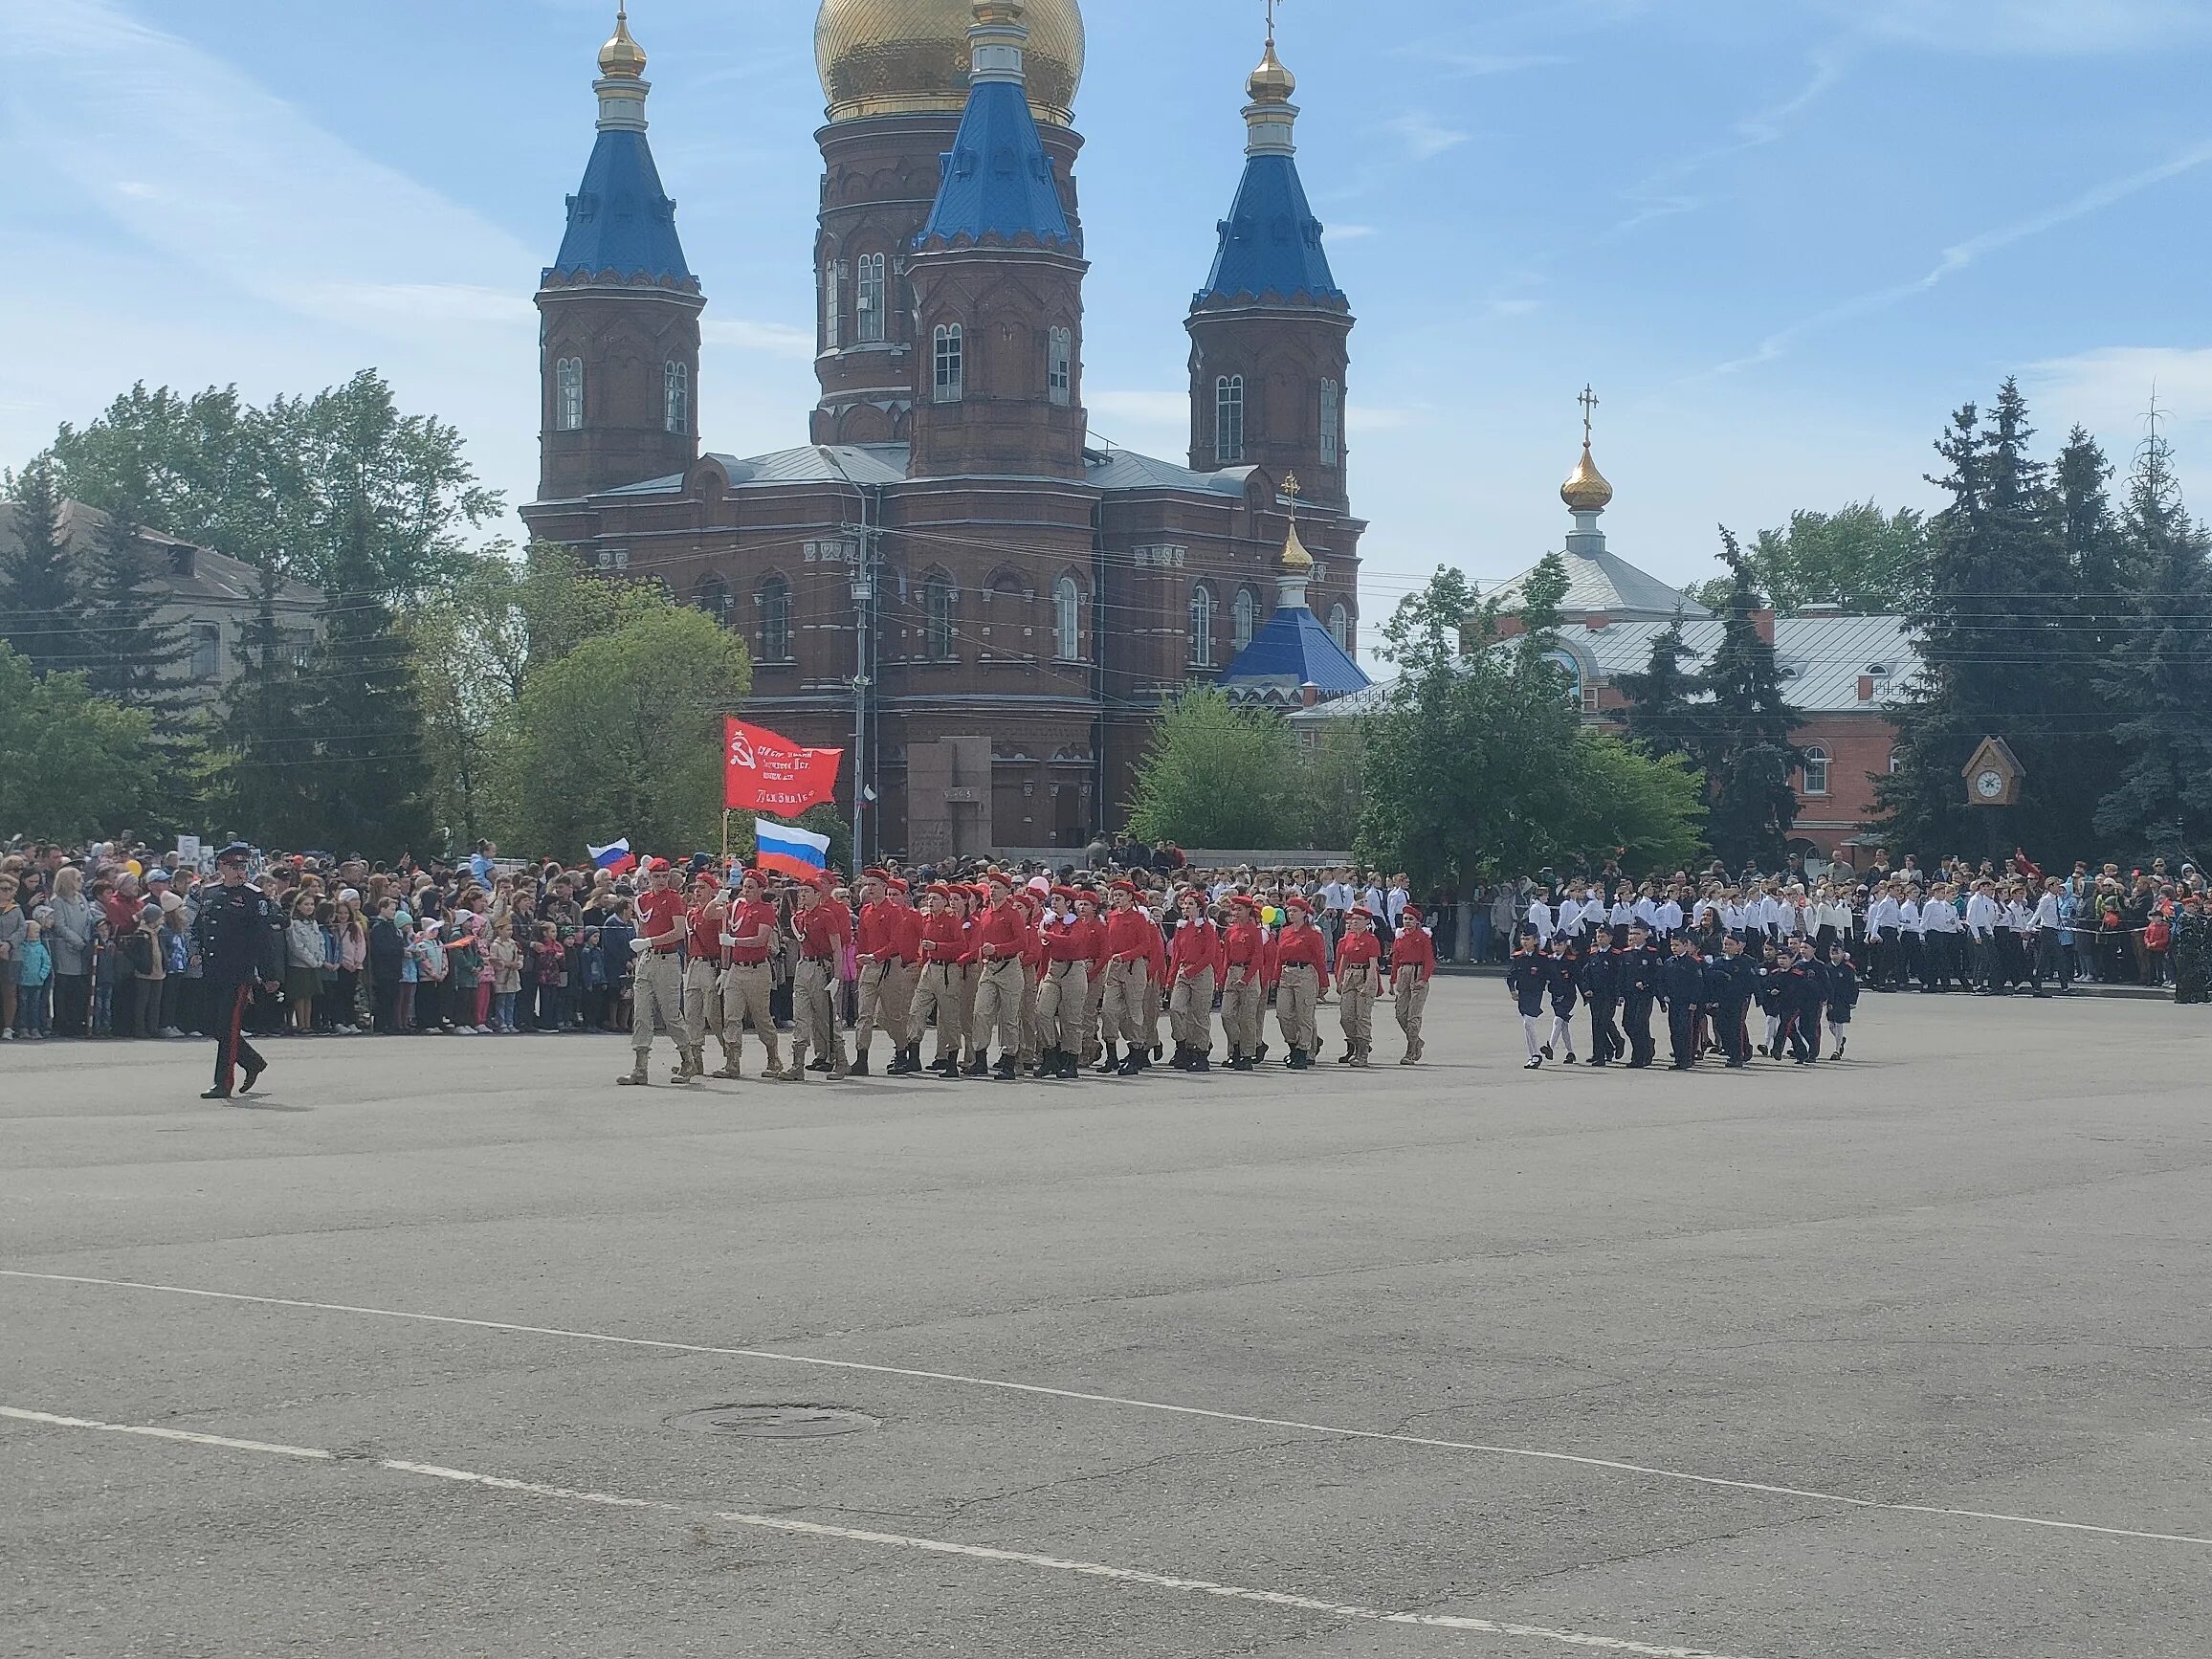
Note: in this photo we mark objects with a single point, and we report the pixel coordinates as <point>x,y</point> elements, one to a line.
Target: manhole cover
<point>776,1422</point>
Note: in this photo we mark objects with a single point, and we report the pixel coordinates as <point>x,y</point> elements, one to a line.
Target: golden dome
<point>622,59</point>
<point>1295,559</point>
<point>1585,490</point>
<point>1270,82</point>
<point>912,56</point>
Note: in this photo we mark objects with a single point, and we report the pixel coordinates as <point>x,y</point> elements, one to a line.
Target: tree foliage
<point>133,655</point>
<point>622,735</point>
<point>41,607</point>
<point>290,485</point>
<point>1740,734</point>
<point>70,765</point>
<point>2027,586</point>
<point>1215,775</point>
<point>1480,764</point>
<point>1868,561</point>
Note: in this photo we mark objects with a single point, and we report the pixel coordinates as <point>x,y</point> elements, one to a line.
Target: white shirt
<point>2017,918</point>
<point>1646,910</point>
<point>1624,913</point>
<point>1883,913</point>
<point>1981,915</point>
<point>1540,917</point>
<point>1397,899</point>
<point>1909,916</point>
<point>2047,912</point>
<point>1670,918</point>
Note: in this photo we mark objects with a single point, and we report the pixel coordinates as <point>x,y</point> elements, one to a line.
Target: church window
<point>568,399</point>
<point>937,607</point>
<point>1202,609</point>
<point>711,595</point>
<point>950,369</point>
<point>775,620</point>
<point>1332,420</point>
<point>679,397</point>
<point>207,651</point>
<point>1340,628</point>
<point>1816,771</point>
<point>1060,368</point>
<point>1244,615</point>
<point>1229,419</point>
<point>832,305</point>
<point>872,298</point>
<point>1067,620</point>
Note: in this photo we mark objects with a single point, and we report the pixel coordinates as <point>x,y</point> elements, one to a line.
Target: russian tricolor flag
<point>617,858</point>
<point>790,850</point>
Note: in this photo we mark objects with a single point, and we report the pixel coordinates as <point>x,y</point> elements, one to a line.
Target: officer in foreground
<point>240,929</point>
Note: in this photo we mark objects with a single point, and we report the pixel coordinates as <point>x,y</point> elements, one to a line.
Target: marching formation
<point>1009,978</point>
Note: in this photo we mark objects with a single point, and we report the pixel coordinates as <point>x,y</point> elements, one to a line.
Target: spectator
<point>69,938</point>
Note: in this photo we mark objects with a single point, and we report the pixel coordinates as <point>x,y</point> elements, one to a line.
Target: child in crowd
<point>506,975</point>
<point>465,966</point>
<point>34,984</point>
<point>552,958</point>
<point>108,971</point>
<point>431,970</point>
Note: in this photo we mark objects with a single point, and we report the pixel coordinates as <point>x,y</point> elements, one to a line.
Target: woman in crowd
<point>304,954</point>
<point>69,939</point>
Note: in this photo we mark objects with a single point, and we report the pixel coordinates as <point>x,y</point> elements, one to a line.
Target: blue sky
<point>1782,239</point>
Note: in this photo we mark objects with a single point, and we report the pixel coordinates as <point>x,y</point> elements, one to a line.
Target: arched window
<point>1340,628</point>
<point>711,595</point>
<point>872,298</point>
<point>1816,771</point>
<point>951,373</point>
<point>1228,420</point>
<point>1202,610</point>
<point>1067,620</point>
<point>775,620</point>
<point>678,384</point>
<point>1060,365</point>
<point>1332,420</point>
<point>1244,617</point>
<point>936,609</point>
<point>568,396</point>
<point>832,304</point>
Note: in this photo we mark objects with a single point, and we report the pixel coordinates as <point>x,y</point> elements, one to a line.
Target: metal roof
<point>620,220</point>
<point>1113,471</point>
<point>1821,658</point>
<point>1604,584</point>
<point>206,577</point>
<point>997,183</point>
<point>1270,243</point>
<point>1293,651</point>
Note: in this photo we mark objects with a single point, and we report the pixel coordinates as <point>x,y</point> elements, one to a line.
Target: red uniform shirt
<point>1413,948</point>
<point>706,937</point>
<point>1302,945</point>
<point>1358,950</point>
<point>1080,940</point>
<point>660,912</point>
<point>743,921</point>
<point>1002,933</point>
<point>823,930</point>
<point>882,935</point>
<point>1244,946</point>
<point>1197,950</point>
<point>910,921</point>
<point>937,940</point>
<point>1130,935</point>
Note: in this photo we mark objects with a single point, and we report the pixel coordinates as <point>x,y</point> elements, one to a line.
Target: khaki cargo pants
<point>1411,996</point>
<point>1123,1013</point>
<point>744,996</point>
<point>656,999</point>
<point>938,995</point>
<point>1355,990</point>
<point>814,1015</point>
<point>1190,1010</point>
<point>998,1009</point>
<point>701,1008</point>
<point>1295,998</point>
<point>886,996</point>
<point>1242,1010</point>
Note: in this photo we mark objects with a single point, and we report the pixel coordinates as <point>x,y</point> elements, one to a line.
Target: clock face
<point>1989,786</point>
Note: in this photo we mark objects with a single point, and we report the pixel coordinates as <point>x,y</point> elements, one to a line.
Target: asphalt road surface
<point>1897,1358</point>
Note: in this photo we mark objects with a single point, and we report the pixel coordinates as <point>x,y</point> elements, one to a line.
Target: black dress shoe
<point>216,1094</point>
<point>252,1077</point>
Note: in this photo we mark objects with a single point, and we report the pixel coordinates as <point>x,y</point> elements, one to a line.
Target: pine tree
<point>2160,671</point>
<point>1743,733</point>
<point>134,656</point>
<point>267,747</point>
<point>1659,719</point>
<point>41,610</point>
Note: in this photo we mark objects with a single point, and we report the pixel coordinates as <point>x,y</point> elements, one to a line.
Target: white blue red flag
<point>790,850</point>
<point>617,858</point>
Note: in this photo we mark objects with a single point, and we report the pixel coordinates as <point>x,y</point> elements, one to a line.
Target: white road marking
<point>900,1541</point>
<point>1002,1386</point>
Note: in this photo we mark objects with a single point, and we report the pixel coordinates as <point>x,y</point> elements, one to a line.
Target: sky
<point>1782,239</point>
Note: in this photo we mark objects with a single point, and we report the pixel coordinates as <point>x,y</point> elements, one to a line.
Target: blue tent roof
<point>621,220</point>
<point>1270,243</point>
<point>997,180</point>
<point>1295,650</point>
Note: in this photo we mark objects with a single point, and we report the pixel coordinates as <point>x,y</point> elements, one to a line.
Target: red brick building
<point>950,581</point>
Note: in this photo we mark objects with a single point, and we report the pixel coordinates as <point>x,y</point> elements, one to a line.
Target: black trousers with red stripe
<point>227,1005</point>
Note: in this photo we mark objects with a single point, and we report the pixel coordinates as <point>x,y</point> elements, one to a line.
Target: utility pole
<point>863,633</point>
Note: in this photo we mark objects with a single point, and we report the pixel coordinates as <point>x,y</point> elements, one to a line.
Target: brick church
<point>949,580</point>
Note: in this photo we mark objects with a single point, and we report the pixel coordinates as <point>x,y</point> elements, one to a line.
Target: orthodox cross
<point>1589,402</point>
<point>1290,487</point>
<point>1271,3</point>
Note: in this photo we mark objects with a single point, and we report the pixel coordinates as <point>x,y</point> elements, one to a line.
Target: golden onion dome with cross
<point>913,57</point>
<point>1585,490</point>
<point>622,59</point>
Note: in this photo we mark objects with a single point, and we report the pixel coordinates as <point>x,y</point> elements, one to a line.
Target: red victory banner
<point>763,772</point>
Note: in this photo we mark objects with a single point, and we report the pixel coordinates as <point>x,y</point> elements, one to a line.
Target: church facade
<point>949,580</point>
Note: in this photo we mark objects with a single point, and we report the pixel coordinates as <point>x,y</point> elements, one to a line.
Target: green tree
<point>41,607</point>
<point>2160,674</point>
<point>622,736</point>
<point>1741,733</point>
<point>1658,718</point>
<point>2001,646</point>
<point>1332,784</point>
<point>70,765</point>
<point>280,485</point>
<point>1867,561</point>
<point>1649,813</point>
<point>134,656</point>
<point>1215,775</point>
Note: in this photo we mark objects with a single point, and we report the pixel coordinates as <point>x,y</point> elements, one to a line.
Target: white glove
<point>638,947</point>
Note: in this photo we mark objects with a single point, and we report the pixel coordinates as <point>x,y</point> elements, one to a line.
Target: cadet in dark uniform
<point>1528,976</point>
<point>1600,972</point>
<point>1806,993</point>
<point>1736,980</point>
<point>1682,988</point>
<point>1638,982</point>
<point>239,930</point>
<point>1842,998</point>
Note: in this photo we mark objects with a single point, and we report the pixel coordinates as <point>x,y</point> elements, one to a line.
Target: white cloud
<point>1424,137</point>
<point>1350,233</point>
<point>2044,28</point>
<point>773,339</point>
<point>2110,388</point>
<point>1482,63</point>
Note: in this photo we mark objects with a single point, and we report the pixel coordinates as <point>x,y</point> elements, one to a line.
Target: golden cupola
<point>622,59</point>
<point>1585,490</point>
<point>914,56</point>
<point>1270,82</point>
